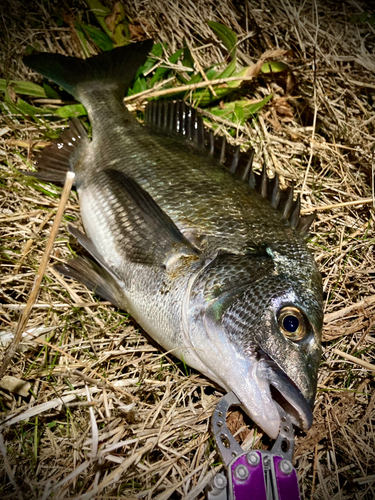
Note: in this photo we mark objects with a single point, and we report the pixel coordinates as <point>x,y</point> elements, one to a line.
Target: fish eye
<point>292,323</point>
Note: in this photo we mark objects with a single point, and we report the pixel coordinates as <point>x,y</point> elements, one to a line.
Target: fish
<point>208,256</point>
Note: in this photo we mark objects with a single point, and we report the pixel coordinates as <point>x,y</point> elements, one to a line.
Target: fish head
<point>257,328</point>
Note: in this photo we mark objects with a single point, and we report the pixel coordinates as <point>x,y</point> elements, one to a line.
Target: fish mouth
<point>285,392</point>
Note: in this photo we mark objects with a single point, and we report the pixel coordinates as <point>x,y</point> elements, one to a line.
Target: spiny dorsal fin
<point>179,119</point>
<point>275,196</point>
<point>305,223</point>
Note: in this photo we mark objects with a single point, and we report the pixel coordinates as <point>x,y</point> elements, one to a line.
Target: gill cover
<point>233,316</point>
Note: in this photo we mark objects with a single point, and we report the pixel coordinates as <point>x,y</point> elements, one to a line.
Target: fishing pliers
<point>254,474</point>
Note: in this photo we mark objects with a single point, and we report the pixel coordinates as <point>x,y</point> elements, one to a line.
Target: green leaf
<point>229,39</point>
<point>101,39</point>
<point>175,57</point>
<point>82,38</point>
<point>196,78</point>
<point>204,97</point>
<point>27,109</point>
<point>100,12</point>
<point>240,111</point>
<point>157,51</point>
<point>118,25</point>
<point>8,108</point>
<point>50,92</point>
<point>228,71</point>
<point>188,60</point>
<point>71,111</point>
<point>27,88</point>
<point>140,85</point>
<point>226,35</point>
<point>211,74</point>
<point>29,50</point>
<point>39,187</point>
<point>160,72</point>
<point>274,67</point>
<point>255,108</point>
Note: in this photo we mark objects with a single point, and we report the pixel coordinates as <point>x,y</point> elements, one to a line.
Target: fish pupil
<point>291,323</point>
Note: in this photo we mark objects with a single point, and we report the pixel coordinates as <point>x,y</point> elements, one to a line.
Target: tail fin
<point>114,69</point>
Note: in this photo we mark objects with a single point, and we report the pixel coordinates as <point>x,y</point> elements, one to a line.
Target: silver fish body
<point>203,262</point>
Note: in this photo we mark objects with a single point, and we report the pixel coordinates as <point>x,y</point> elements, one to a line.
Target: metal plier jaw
<point>255,474</point>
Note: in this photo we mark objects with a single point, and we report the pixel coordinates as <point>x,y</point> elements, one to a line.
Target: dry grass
<point>110,416</point>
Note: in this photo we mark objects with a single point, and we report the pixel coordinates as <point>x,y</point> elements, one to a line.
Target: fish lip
<point>287,394</point>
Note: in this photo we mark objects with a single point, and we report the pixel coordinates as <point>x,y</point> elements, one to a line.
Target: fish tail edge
<point>112,70</point>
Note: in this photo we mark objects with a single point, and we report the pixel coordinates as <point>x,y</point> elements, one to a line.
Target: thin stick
<point>363,336</point>
<point>38,279</point>
<point>115,474</point>
<point>355,360</point>
<point>200,69</point>
<point>219,119</point>
<point>183,88</point>
<point>361,84</point>
<point>315,111</point>
<point>59,305</point>
<point>314,470</point>
<point>337,205</point>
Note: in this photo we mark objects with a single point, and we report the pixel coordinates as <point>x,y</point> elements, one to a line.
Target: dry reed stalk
<point>39,277</point>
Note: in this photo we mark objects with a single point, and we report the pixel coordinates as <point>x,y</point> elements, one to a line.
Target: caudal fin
<point>113,70</point>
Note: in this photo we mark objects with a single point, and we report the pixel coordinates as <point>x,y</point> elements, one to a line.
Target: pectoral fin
<point>148,234</point>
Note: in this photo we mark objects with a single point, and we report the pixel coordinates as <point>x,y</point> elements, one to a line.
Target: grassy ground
<point>144,433</point>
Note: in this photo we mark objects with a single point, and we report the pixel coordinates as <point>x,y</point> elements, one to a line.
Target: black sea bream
<point>213,267</point>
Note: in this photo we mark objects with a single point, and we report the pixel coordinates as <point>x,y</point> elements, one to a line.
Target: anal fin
<point>89,246</point>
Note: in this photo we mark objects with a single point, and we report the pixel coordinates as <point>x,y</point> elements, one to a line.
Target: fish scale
<point>209,257</point>
<point>194,196</point>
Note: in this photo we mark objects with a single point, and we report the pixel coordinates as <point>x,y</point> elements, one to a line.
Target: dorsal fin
<point>179,119</point>
<point>275,197</point>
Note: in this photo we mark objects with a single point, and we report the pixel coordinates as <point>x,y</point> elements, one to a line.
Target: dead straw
<point>39,277</point>
<point>338,205</point>
<point>353,359</point>
<point>146,94</point>
<point>139,395</point>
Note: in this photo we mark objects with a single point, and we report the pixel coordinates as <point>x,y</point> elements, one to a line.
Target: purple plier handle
<point>257,474</point>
